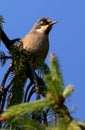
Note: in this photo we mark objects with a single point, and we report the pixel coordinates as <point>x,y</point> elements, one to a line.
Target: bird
<point>36,42</point>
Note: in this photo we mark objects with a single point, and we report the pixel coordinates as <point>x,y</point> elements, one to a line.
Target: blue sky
<point>67,38</point>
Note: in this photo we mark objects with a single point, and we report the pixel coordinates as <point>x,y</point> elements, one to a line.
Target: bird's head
<point>43,25</point>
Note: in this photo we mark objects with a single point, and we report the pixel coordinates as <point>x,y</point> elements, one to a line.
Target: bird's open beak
<point>53,22</point>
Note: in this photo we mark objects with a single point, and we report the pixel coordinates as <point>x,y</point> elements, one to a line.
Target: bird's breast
<point>38,44</point>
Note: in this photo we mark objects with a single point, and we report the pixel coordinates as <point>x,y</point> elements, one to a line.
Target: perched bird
<point>36,42</point>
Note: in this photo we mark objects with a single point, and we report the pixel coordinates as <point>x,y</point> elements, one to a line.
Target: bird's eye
<point>43,22</point>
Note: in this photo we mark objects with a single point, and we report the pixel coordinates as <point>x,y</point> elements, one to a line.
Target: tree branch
<point>8,43</point>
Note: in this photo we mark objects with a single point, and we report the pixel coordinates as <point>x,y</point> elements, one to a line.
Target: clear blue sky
<point>67,38</point>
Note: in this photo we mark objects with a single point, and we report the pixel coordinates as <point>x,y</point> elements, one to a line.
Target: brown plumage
<point>36,42</point>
